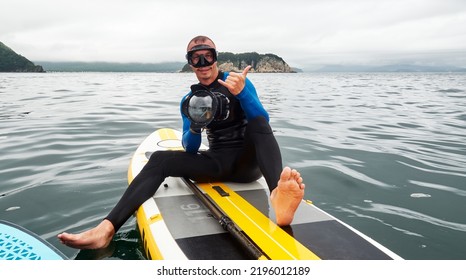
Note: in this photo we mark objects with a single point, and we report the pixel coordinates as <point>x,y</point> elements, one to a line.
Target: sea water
<point>384,152</point>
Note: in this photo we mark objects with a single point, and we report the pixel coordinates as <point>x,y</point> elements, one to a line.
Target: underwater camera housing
<point>203,106</point>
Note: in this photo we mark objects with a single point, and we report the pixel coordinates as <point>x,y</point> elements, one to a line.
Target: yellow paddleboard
<point>175,224</point>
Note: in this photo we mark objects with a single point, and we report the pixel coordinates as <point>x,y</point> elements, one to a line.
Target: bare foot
<point>95,238</point>
<point>287,195</point>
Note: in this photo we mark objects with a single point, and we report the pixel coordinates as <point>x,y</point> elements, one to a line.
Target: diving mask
<point>201,60</point>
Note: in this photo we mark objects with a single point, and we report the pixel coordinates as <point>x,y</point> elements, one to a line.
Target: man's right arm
<point>191,140</point>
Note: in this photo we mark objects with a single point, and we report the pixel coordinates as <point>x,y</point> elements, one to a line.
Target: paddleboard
<point>18,243</point>
<point>176,223</point>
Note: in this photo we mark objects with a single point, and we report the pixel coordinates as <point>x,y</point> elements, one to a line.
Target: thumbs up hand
<point>235,81</point>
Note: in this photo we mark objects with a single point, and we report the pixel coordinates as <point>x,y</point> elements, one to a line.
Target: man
<point>242,148</point>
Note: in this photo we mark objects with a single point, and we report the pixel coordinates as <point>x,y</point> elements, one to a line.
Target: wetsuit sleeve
<point>191,141</point>
<point>250,102</point>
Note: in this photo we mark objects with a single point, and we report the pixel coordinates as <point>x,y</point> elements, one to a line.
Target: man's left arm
<point>250,102</point>
<point>244,90</point>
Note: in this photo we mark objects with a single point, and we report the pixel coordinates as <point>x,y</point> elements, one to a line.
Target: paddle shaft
<point>250,248</point>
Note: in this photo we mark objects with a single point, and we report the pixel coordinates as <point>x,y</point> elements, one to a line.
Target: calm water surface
<point>384,152</point>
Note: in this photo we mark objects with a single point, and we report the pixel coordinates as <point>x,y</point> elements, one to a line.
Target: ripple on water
<point>384,152</point>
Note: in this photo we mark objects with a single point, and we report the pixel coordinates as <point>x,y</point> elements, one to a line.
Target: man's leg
<point>286,185</point>
<point>160,166</point>
<point>144,185</point>
<point>259,136</point>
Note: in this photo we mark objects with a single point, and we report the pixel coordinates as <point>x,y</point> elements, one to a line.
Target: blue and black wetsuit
<point>242,148</point>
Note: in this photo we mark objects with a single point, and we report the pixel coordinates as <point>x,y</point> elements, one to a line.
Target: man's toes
<point>286,174</point>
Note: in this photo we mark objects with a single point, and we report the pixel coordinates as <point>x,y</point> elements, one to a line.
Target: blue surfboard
<point>18,243</point>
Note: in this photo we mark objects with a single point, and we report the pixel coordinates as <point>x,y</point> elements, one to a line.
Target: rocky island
<point>261,63</point>
<point>10,61</point>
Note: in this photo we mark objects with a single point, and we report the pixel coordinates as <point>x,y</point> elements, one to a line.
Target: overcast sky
<point>303,33</point>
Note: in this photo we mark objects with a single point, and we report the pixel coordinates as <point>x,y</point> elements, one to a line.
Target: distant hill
<point>10,61</point>
<point>389,68</point>
<point>261,63</point>
<point>111,67</point>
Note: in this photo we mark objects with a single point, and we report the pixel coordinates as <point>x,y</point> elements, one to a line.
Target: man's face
<point>206,74</point>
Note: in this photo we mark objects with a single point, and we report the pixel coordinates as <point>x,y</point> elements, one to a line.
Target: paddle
<point>250,248</point>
